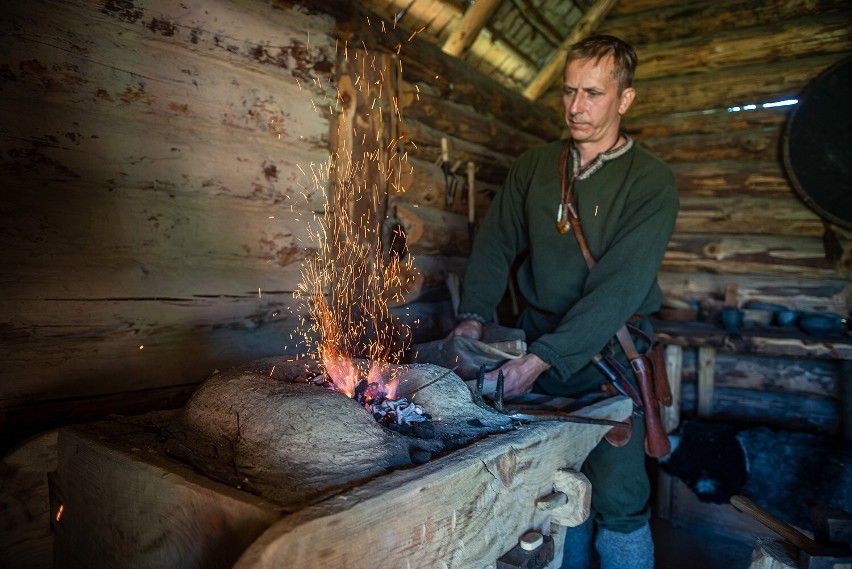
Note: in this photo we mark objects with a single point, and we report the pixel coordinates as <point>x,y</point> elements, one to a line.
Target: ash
<point>387,411</point>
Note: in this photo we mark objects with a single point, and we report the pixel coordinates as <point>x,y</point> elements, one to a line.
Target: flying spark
<point>352,277</point>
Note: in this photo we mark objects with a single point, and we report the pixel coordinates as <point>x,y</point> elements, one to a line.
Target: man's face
<point>593,103</point>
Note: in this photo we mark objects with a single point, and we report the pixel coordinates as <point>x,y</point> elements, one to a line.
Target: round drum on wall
<point>818,144</point>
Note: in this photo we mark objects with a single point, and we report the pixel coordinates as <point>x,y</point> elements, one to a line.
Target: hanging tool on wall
<point>450,172</point>
<point>449,178</point>
<point>470,194</point>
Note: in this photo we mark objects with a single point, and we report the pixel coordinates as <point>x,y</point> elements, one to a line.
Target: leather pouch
<point>662,389</point>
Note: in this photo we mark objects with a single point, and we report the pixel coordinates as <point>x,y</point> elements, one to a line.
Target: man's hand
<point>468,329</point>
<point>519,374</point>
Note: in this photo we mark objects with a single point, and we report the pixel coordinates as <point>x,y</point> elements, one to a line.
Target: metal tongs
<point>529,415</point>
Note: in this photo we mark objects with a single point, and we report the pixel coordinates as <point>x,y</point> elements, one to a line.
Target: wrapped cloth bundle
<point>466,356</point>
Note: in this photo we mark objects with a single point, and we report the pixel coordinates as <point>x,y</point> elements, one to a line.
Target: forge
<point>264,468</point>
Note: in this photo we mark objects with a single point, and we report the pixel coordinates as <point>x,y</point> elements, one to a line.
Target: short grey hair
<point>599,46</point>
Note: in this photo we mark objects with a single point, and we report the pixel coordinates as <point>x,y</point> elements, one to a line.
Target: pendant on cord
<point>563,221</point>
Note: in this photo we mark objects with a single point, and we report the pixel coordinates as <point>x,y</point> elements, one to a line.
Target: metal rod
<point>498,394</point>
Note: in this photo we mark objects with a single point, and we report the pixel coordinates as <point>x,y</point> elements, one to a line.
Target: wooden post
<point>473,21</point>
<point>26,539</point>
<point>584,28</point>
<point>731,295</point>
<point>359,180</point>
<point>674,368</point>
<point>706,368</point>
<point>846,398</point>
<point>664,495</point>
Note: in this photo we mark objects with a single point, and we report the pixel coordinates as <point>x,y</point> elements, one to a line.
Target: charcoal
<point>423,430</point>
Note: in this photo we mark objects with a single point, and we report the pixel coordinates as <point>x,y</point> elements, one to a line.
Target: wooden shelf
<point>763,340</point>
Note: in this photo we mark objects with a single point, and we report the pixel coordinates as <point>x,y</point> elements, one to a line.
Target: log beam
<point>795,291</point>
<point>754,341</point>
<point>699,19</point>
<point>748,215</point>
<point>474,20</point>
<point>463,121</point>
<point>732,177</point>
<point>749,254</point>
<point>790,39</point>
<point>432,231</point>
<point>721,89</point>
<point>423,183</point>
<point>758,144</point>
<point>719,121</point>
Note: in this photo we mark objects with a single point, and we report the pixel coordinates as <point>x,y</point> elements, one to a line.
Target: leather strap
<point>657,443</point>
<point>623,334</point>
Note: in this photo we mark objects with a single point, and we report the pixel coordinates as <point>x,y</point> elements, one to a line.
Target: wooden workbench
<point>125,503</point>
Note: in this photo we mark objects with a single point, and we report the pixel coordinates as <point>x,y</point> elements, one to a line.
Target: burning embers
<point>378,394</point>
<point>387,411</point>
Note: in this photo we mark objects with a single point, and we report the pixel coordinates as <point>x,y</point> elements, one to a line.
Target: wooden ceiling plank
<point>472,23</point>
<point>554,67</point>
<point>497,35</point>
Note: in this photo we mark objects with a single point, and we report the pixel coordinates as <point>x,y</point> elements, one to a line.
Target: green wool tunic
<point>627,202</point>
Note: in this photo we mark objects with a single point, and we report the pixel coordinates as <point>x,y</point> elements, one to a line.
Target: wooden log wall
<point>799,394</point>
<point>156,164</point>
<point>740,218</point>
<point>161,164</point>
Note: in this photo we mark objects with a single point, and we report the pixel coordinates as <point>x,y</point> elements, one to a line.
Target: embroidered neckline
<point>566,209</point>
<point>599,161</point>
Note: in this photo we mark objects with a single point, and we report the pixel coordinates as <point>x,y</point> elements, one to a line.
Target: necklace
<point>566,206</point>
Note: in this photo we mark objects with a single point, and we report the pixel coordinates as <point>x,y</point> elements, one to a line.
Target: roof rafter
<point>529,13</point>
<point>584,28</point>
<point>475,18</point>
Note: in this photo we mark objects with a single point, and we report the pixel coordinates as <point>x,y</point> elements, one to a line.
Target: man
<point>627,202</point>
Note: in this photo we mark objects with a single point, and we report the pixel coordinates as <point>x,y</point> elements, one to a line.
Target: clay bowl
<point>787,317</point>
<point>732,318</point>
